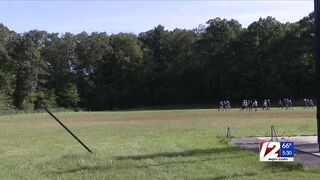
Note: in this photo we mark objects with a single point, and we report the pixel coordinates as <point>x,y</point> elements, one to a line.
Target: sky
<point>140,16</point>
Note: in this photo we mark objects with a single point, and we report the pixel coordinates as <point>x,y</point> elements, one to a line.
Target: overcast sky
<point>139,16</point>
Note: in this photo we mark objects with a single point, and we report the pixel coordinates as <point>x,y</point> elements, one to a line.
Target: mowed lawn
<point>166,144</point>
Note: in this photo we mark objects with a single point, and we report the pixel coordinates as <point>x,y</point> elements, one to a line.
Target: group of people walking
<point>266,104</point>
<point>252,105</point>
<point>308,103</point>
<point>285,103</point>
<point>249,105</point>
<point>224,105</point>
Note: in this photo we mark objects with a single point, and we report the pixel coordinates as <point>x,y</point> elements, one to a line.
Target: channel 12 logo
<point>276,151</point>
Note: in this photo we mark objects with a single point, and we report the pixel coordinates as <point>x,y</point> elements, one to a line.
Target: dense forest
<point>97,71</point>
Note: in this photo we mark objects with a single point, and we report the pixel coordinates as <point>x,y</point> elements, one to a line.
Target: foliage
<point>221,60</point>
<point>70,95</point>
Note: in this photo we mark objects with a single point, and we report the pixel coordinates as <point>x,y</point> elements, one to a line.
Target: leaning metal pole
<point>317,63</point>
<point>65,127</point>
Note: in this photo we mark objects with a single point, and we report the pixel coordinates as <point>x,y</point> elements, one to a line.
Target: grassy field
<point>169,144</point>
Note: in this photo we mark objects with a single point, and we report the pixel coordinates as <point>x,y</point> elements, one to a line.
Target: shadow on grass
<point>193,152</point>
<point>95,168</point>
<point>228,152</point>
<point>102,167</point>
<point>84,169</point>
<point>236,175</point>
<point>92,169</point>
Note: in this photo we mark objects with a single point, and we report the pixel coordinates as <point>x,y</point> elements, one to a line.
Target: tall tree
<point>117,77</point>
<point>90,51</point>
<point>27,59</point>
<point>61,60</point>
<point>214,51</point>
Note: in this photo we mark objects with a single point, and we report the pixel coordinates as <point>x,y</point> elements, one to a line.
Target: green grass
<point>170,144</point>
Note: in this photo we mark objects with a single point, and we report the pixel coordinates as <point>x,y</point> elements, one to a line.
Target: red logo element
<point>268,148</point>
<point>269,151</point>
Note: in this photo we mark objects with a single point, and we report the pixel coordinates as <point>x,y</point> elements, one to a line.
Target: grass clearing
<point>168,144</point>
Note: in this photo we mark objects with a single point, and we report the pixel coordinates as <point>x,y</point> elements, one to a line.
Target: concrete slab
<point>306,147</point>
<point>295,139</point>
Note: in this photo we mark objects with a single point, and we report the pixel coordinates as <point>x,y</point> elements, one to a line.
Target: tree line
<point>97,71</point>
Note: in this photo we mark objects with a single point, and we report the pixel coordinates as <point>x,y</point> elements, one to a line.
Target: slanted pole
<point>65,127</point>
